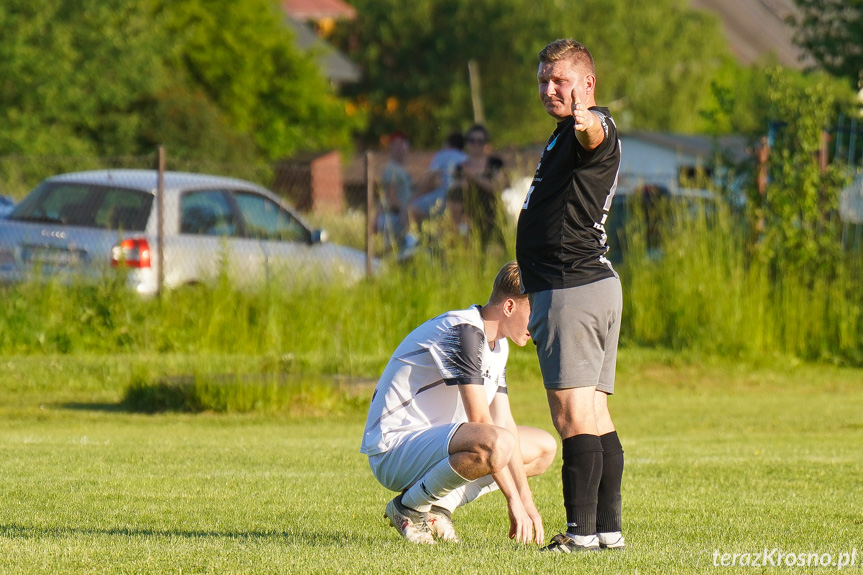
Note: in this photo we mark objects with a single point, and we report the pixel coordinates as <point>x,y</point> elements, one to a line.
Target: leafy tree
<point>73,75</point>
<point>737,102</point>
<point>415,61</point>
<point>831,32</point>
<point>242,57</point>
<point>219,79</point>
<point>798,212</point>
<point>655,62</point>
<point>192,127</point>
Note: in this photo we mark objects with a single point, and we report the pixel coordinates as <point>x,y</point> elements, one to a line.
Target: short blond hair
<point>569,49</point>
<point>507,284</point>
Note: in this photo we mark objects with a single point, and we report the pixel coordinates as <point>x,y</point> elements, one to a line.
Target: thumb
<point>577,104</point>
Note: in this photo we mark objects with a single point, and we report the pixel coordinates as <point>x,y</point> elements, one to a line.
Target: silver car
<point>81,225</point>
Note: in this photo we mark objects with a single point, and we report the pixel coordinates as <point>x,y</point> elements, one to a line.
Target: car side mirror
<point>319,236</point>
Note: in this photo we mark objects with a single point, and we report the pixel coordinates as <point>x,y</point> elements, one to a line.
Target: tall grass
<point>335,328</point>
<point>702,293</point>
<point>705,293</point>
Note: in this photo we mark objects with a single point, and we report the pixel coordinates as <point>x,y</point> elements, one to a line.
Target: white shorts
<point>412,456</point>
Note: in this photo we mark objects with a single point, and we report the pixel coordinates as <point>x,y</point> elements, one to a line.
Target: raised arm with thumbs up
<point>588,127</point>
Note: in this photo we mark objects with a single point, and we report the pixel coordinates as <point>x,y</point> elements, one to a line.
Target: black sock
<point>608,508</point>
<point>582,470</point>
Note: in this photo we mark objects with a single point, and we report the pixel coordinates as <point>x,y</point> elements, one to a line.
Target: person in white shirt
<point>439,178</point>
<point>431,201</point>
<point>440,429</point>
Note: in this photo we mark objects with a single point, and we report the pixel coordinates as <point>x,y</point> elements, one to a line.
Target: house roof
<point>336,66</point>
<point>755,28</point>
<point>735,147</point>
<point>306,10</point>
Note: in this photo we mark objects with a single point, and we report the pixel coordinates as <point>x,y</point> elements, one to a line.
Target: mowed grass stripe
<point>719,456</point>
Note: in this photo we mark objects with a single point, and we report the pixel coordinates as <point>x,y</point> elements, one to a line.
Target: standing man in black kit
<point>575,294</point>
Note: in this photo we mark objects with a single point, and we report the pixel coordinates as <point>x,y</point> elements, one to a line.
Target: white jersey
<point>419,387</point>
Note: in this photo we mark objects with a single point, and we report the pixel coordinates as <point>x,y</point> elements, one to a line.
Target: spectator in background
<point>396,191</point>
<point>476,189</point>
<point>438,180</point>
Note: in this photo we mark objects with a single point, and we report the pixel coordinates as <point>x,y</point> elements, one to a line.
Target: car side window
<point>73,204</point>
<point>267,220</point>
<point>206,213</point>
<point>92,206</point>
<point>124,210</point>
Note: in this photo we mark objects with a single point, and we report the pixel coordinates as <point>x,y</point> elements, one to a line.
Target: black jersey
<point>561,238</point>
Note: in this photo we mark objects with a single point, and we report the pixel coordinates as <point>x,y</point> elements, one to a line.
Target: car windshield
<point>86,205</point>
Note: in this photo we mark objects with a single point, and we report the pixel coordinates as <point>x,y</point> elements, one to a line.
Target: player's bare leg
<point>574,416</point>
<point>538,449</point>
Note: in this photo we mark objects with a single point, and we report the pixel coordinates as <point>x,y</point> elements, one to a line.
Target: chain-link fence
<point>254,223</point>
<point>80,218</point>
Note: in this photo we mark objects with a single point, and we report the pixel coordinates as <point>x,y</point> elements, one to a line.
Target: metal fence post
<point>160,215</point>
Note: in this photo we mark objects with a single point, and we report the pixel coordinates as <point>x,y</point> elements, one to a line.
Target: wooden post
<point>762,155</point>
<point>370,212</point>
<point>475,92</point>
<point>823,156</point>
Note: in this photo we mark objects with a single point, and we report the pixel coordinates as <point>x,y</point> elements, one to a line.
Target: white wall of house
<point>851,201</point>
<point>647,163</point>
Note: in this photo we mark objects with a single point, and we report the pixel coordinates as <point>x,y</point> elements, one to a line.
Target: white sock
<point>436,483</point>
<point>467,493</point>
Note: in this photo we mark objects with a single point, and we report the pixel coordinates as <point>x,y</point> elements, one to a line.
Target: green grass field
<point>720,458</point>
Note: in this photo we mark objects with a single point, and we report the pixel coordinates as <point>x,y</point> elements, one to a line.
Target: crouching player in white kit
<point>440,429</point>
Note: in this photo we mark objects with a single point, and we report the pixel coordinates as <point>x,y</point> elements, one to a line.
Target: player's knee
<point>562,421</point>
<point>547,450</point>
<point>488,449</point>
<point>501,450</point>
<point>569,423</point>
